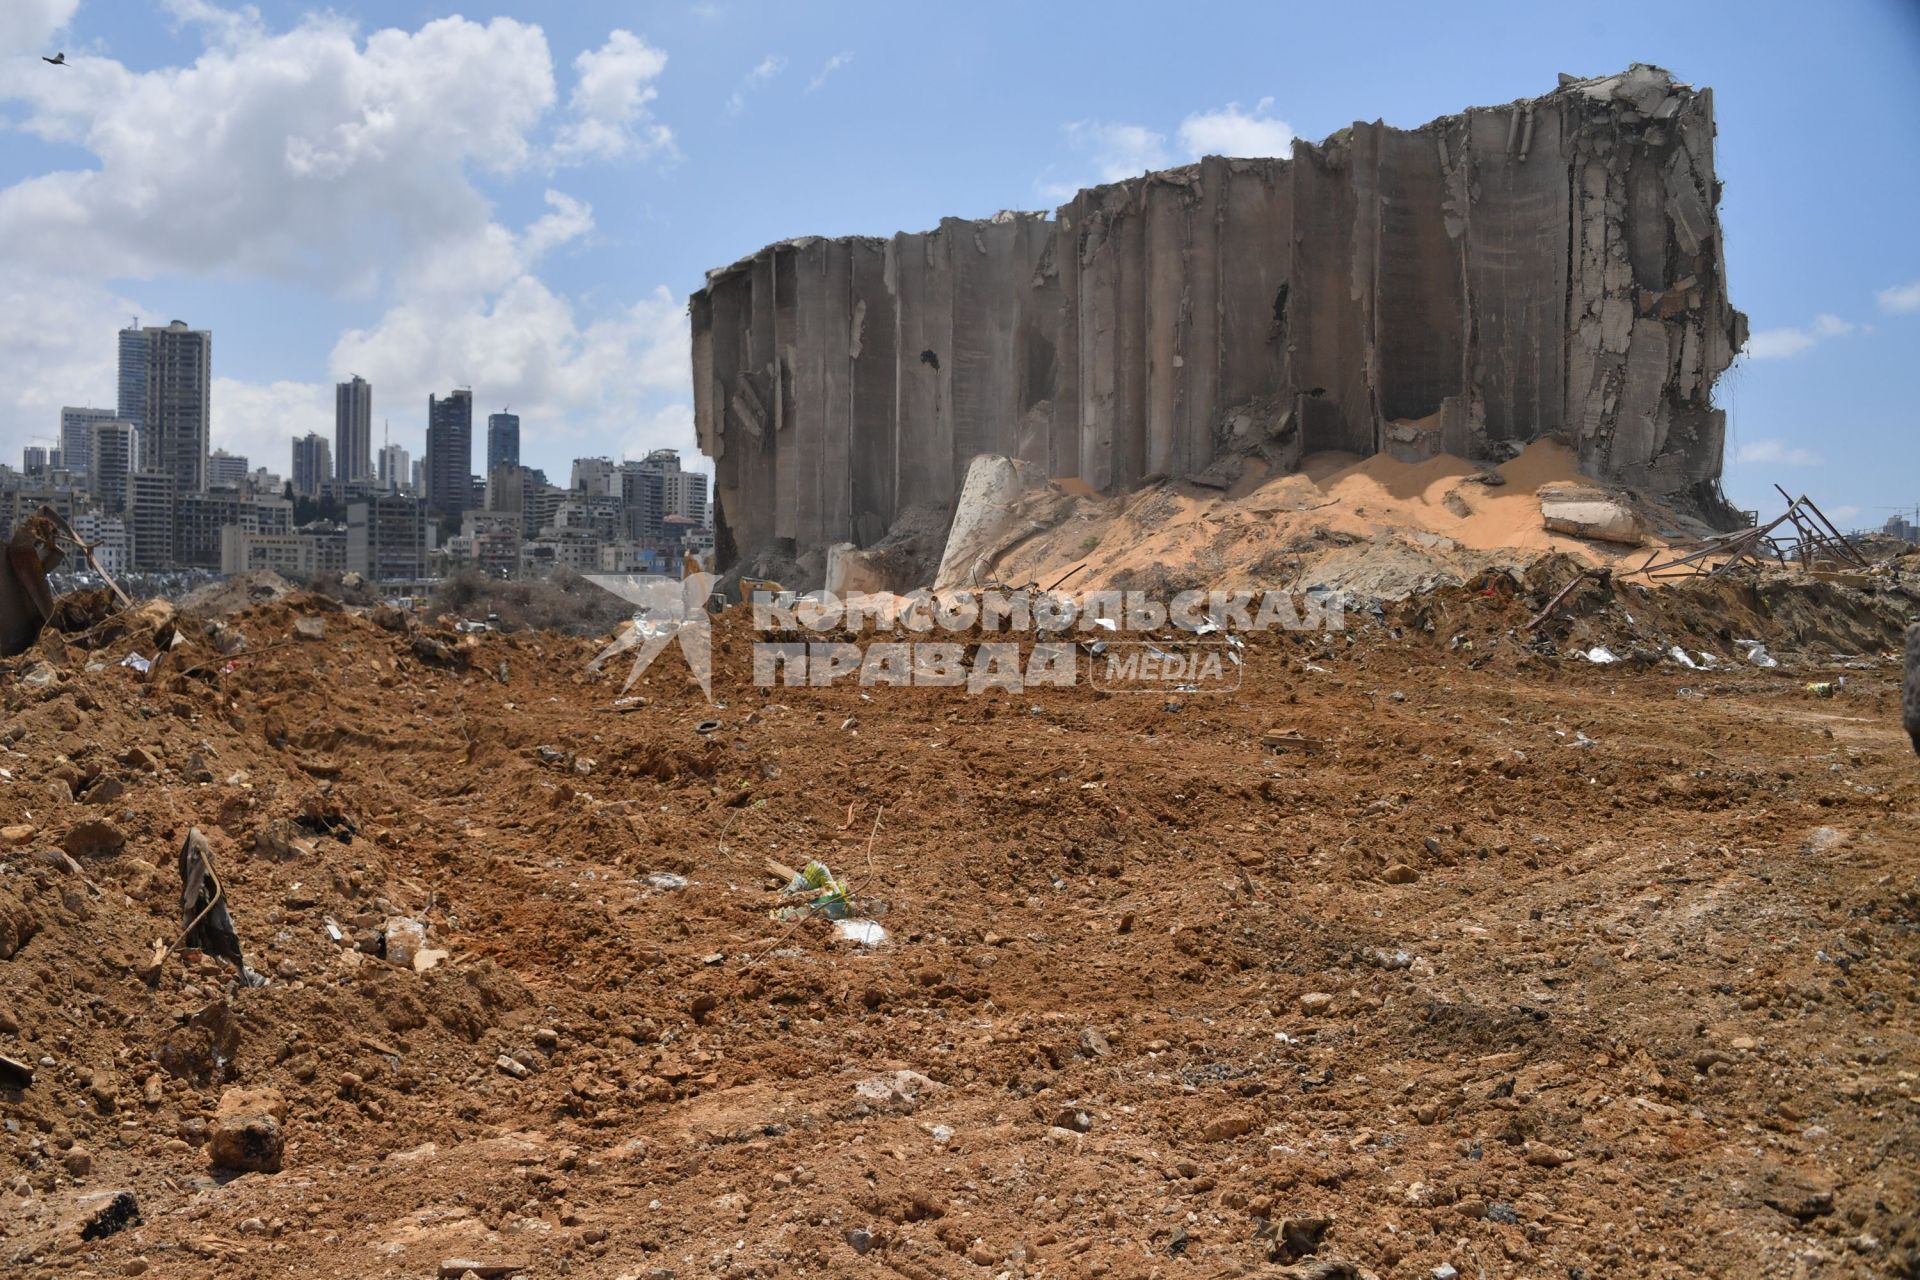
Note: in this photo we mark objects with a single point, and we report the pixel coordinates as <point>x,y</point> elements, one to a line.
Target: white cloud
<point>763,73</point>
<point>1901,298</point>
<point>258,420</point>
<point>1776,453</point>
<point>837,62</point>
<point>1118,150</point>
<point>480,314</point>
<point>611,102</point>
<point>27,25</point>
<point>229,26</point>
<point>1843,514</point>
<point>1779,344</point>
<point>58,333</point>
<point>301,154</point>
<point>316,160</point>
<point>1233,132</point>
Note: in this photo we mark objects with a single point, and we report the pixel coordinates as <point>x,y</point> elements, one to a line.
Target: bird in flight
<point>58,59</point>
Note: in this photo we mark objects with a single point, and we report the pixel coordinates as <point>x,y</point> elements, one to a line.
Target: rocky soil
<point>1492,961</point>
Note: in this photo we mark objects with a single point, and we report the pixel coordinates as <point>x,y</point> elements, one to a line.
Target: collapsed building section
<point>1553,266</point>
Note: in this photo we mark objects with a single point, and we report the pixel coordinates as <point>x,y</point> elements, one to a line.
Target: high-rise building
<point>450,452</point>
<point>353,429</point>
<point>108,537</point>
<point>655,488</point>
<point>150,504</point>
<point>33,461</point>
<point>507,490</point>
<point>76,437</point>
<point>387,537</point>
<point>174,427</point>
<point>503,441</point>
<point>396,468</point>
<point>312,464</point>
<point>132,398</point>
<point>227,470</point>
<point>596,476</point>
<point>112,470</point>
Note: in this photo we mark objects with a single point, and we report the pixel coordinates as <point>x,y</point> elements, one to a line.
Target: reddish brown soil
<point>1647,1007</point>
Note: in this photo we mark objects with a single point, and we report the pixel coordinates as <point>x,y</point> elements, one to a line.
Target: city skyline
<point>352,412</point>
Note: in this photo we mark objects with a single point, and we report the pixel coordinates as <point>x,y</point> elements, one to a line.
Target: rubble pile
<point>1434,946</point>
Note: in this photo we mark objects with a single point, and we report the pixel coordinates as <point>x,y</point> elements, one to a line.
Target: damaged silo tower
<point>1490,278</point>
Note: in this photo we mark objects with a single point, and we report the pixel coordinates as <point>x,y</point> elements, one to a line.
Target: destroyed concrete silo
<point>1548,267</point>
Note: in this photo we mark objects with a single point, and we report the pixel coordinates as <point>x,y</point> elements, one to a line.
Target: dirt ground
<point>1514,964</point>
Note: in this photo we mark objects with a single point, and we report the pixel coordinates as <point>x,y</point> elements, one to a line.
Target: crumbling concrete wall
<point>1550,266</point>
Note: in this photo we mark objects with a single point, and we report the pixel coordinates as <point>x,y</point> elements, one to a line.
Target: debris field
<point>1431,949</point>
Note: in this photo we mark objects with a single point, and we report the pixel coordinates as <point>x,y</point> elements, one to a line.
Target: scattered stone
<point>518,1070</point>
<point>1546,1157</point>
<point>17,834</point>
<point>136,1266</point>
<point>389,618</point>
<point>1399,873</point>
<point>900,1091</point>
<point>860,1241</point>
<point>249,1131</point>
<point>1316,1002</point>
<point>454,1268</point>
<point>1094,1043</point>
<point>61,862</point>
<point>310,628</point>
<point>1825,839</point>
<point>1220,1128</point>
<point>79,1161</point>
<point>406,937</point>
<point>15,1074</point>
<point>1073,1118</point>
<point>105,791</point>
<point>95,838</point>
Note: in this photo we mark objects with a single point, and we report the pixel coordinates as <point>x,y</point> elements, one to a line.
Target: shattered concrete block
<point>406,937</point>
<point>1588,513</point>
<point>249,1132</point>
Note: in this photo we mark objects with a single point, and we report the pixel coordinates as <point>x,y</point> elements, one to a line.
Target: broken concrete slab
<point>1589,513</point>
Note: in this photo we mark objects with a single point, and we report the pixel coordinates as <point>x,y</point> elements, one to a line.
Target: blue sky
<point>522,198</point>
